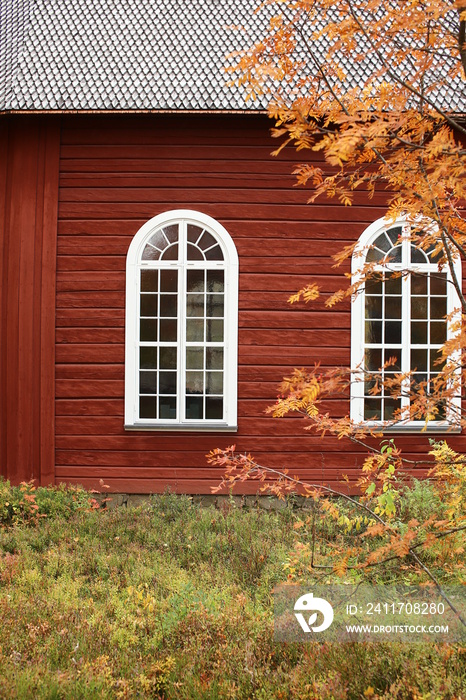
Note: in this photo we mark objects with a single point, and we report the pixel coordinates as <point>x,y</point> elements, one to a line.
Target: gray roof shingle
<point>109,54</point>
<point>131,55</point>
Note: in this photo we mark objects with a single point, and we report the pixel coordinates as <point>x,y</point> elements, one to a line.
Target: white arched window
<point>398,316</point>
<point>181,325</point>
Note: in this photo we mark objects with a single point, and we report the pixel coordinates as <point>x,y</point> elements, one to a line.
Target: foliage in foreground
<point>171,600</point>
<point>391,135</point>
<point>26,504</point>
<point>416,528</point>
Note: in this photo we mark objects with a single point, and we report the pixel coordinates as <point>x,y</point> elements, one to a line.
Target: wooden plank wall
<point>115,174</point>
<point>28,203</point>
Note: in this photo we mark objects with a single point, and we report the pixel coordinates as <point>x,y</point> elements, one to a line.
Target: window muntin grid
<point>158,351</point>
<point>205,312</point>
<point>398,318</point>
<point>186,327</point>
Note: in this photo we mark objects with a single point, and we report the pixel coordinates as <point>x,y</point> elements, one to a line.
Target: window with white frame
<point>399,325</point>
<point>181,325</point>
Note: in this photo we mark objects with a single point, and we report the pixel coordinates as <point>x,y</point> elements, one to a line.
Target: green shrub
<point>26,504</point>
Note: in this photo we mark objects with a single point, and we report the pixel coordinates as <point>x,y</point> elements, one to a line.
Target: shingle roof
<point>130,55</point>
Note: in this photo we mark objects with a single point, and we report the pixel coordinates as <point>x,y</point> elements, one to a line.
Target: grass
<point>171,600</point>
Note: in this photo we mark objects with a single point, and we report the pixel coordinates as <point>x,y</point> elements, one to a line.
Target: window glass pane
<point>389,407</point>
<point>392,284</point>
<point>419,284</point>
<point>214,305</point>
<point>213,408</point>
<point>442,410</point>
<point>195,358</point>
<point>167,382</point>
<point>194,382</point>
<point>383,242</point>
<point>171,253</point>
<point>394,234</point>
<point>168,330</point>
<point>373,286</point>
<point>373,332</point>
<point>194,330</point>
<point>433,254</point>
<point>214,358</point>
<point>194,407</point>
<point>419,360</point>
<point>215,280</point>
<point>168,358</point>
<point>418,307</point>
<point>158,240</point>
<point>436,364</point>
<point>392,307</point>
<point>418,381</point>
<point>171,232</point>
<point>149,304</point>
<point>194,305</point>
<point>167,407</point>
<point>194,253</point>
<point>168,280</point>
<point>149,280</point>
<point>438,284</point>
<point>148,358</point>
<point>214,253</point>
<point>438,332</point>
<point>194,233</point>
<point>214,331</point>
<point>195,281</point>
<point>438,307</point>
<point>147,382</point>
<point>419,332</point>
<point>372,409</point>
<point>374,255</point>
<point>393,332</point>
<point>147,407</point>
<point>168,304</point>
<point>373,307</point>
<point>370,385</point>
<point>373,359</point>
<point>148,330</point>
<point>418,256</point>
<point>150,253</point>
<point>394,255</point>
<point>207,241</point>
<point>393,355</point>
<point>214,382</point>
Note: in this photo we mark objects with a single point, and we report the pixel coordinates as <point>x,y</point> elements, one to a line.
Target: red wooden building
<point>141,208</point>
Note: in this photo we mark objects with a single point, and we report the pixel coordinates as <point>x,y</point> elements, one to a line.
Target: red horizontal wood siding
<point>117,172</point>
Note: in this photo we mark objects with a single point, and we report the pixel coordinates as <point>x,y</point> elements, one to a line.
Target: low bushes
<point>171,600</point>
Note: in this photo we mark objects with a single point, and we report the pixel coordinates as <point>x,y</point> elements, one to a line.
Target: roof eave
<point>135,111</point>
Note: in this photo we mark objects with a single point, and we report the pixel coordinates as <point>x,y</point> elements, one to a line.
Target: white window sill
<point>418,427</point>
<point>185,427</point>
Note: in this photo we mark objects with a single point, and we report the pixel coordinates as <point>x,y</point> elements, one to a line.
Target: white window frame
<point>134,264</point>
<point>357,330</point>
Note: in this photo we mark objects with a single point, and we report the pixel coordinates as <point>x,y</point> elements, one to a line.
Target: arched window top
<point>183,236</point>
<point>390,244</point>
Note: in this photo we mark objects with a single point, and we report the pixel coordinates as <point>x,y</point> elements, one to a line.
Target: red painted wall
<point>28,230</point>
<point>61,381</point>
<point>115,175</point>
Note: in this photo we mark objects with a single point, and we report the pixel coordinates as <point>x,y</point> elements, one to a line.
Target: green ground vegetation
<point>174,600</point>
